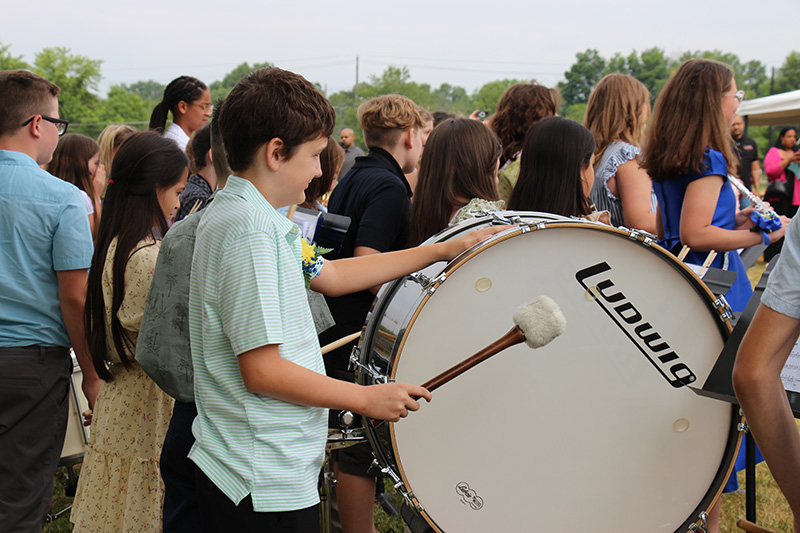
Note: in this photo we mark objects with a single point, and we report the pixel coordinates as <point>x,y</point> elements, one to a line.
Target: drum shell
<point>401,305</point>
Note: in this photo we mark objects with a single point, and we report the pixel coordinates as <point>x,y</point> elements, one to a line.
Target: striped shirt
<point>616,154</point>
<point>247,291</point>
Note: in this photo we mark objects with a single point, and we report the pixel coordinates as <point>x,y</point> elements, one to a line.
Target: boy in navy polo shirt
<point>377,197</point>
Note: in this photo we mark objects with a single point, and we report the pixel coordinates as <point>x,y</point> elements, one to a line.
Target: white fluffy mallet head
<point>541,320</point>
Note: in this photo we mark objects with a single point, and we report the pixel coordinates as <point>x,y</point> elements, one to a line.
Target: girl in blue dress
<point>688,155</point>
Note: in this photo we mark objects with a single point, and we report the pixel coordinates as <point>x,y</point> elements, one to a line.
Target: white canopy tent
<point>772,110</point>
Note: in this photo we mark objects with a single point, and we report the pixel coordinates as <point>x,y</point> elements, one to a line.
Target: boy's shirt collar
<point>244,189</point>
<point>20,158</point>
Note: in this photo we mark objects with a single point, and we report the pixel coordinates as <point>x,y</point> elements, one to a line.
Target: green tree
<point>486,98</point>
<point>75,75</point>
<point>752,77</point>
<point>576,112</point>
<point>147,90</point>
<point>221,88</point>
<point>451,98</point>
<point>651,67</point>
<point>9,62</point>
<point>124,106</point>
<point>787,78</point>
<point>582,76</point>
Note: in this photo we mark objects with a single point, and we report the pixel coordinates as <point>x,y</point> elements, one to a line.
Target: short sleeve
<point>783,288</point>
<point>385,217</point>
<point>249,306</point>
<point>714,164</point>
<point>138,276</point>
<point>72,239</point>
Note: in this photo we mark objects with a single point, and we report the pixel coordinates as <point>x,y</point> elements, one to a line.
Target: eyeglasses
<point>60,123</point>
<point>205,107</point>
<point>739,95</point>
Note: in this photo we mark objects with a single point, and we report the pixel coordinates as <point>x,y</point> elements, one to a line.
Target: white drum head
<point>584,434</point>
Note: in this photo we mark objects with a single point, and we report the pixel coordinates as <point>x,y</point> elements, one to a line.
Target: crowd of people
<point>165,259</point>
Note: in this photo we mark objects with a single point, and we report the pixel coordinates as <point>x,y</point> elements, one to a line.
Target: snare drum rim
<point>724,327</point>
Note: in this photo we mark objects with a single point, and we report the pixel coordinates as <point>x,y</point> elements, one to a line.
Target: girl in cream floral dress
<point>120,487</point>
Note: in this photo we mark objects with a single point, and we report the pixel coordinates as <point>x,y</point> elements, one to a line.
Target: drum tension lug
<point>702,525</point>
<point>354,356</point>
<point>428,284</point>
<point>724,309</point>
<point>356,365</point>
<point>642,236</point>
<point>399,486</point>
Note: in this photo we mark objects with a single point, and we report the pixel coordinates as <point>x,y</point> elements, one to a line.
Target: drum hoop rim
<point>725,329</point>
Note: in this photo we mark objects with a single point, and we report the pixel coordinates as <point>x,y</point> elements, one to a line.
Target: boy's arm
<point>265,372</point>
<point>353,274</point>
<point>72,298</point>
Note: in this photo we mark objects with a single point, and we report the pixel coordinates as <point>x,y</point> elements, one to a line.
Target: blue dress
<point>670,194</point>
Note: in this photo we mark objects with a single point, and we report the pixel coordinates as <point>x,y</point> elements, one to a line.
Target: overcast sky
<point>465,43</point>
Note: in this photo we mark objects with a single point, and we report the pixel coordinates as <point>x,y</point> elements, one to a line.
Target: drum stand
<point>719,385</point>
<point>337,440</point>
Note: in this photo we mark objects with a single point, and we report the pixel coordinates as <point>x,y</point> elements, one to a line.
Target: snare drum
<point>77,434</point>
<point>597,431</point>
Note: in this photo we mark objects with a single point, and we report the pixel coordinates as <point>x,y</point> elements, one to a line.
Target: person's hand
<point>452,248</point>
<point>90,389</point>
<point>99,180</point>
<point>778,233</point>
<point>795,158</point>
<point>743,220</point>
<point>392,401</point>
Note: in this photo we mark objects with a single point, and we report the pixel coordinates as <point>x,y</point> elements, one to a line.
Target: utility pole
<point>355,96</point>
<point>771,92</point>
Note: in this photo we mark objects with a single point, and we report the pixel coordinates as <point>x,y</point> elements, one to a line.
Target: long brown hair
<point>144,164</point>
<point>687,119</point>
<point>615,111</point>
<point>71,163</point>
<point>458,164</point>
<point>518,109</point>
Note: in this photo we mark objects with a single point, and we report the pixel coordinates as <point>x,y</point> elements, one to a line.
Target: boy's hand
<point>452,248</point>
<point>392,401</point>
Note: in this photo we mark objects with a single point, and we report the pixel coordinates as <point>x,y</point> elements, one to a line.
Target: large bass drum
<point>597,431</point>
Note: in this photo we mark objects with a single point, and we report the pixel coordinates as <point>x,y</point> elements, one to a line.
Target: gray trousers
<point>34,405</point>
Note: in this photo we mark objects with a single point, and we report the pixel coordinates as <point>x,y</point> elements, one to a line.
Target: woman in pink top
<point>781,164</point>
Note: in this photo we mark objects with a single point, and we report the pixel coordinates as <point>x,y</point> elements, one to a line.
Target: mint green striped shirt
<point>247,291</point>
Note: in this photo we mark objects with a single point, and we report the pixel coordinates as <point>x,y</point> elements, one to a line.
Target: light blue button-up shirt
<point>43,229</point>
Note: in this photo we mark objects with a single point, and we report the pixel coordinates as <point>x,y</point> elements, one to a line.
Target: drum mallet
<point>341,342</point>
<point>537,323</point>
<point>751,527</point>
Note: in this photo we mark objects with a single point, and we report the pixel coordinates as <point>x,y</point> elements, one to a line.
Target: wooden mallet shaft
<point>513,337</point>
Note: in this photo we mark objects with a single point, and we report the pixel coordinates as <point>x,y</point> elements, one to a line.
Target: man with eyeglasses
<point>45,251</point>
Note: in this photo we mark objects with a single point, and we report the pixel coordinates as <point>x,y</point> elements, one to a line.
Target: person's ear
<point>182,107</point>
<point>35,126</point>
<point>408,139</point>
<point>273,154</point>
<point>209,158</point>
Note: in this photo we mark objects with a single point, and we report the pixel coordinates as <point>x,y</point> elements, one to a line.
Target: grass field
<point>772,510</point>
